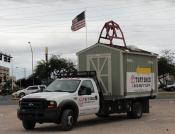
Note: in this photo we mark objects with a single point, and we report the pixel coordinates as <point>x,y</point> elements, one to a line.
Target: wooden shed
<point>122,71</point>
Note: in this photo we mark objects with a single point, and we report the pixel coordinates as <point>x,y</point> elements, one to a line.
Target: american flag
<point>78,22</point>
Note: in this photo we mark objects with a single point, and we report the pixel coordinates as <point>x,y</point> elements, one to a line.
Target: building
<point>4,74</point>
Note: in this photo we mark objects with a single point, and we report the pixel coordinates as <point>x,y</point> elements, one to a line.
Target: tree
<point>28,82</point>
<point>46,72</point>
<point>166,65</point>
<point>169,55</point>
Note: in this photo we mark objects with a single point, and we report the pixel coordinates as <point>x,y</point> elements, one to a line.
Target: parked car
<point>170,86</point>
<point>29,90</point>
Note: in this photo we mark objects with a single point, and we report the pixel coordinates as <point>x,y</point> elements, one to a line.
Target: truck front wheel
<point>28,125</point>
<point>67,120</point>
<point>172,89</point>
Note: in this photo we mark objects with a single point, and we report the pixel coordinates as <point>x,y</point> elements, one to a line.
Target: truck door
<point>88,99</point>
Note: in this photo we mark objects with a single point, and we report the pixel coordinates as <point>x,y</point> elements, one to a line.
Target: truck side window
<point>88,84</point>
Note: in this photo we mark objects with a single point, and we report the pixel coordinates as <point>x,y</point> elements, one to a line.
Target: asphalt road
<point>160,120</point>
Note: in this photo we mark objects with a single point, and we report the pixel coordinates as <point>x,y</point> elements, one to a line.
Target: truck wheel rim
<point>70,120</point>
<point>139,112</point>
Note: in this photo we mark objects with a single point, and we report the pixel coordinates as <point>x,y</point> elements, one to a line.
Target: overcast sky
<point>147,24</point>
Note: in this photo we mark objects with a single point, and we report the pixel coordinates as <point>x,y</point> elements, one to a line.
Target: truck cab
<point>61,102</point>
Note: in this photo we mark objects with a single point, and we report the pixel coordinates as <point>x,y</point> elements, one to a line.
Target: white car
<point>29,90</point>
<point>170,86</point>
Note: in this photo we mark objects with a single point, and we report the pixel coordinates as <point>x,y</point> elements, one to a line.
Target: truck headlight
<point>52,104</point>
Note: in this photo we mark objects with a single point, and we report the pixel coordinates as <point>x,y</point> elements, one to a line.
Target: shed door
<point>101,63</point>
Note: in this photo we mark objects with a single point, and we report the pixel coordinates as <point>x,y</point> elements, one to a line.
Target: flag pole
<point>86,27</point>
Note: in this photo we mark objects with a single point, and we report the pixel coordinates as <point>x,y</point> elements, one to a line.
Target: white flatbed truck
<point>69,97</point>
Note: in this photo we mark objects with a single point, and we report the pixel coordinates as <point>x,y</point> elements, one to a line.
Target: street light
<point>32,59</point>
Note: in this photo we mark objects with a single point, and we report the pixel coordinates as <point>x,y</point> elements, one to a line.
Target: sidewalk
<point>7,100</point>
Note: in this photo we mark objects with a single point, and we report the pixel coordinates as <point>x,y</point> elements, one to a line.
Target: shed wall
<point>116,80</point>
<point>133,63</point>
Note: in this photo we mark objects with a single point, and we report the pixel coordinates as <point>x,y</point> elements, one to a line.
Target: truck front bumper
<point>47,115</point>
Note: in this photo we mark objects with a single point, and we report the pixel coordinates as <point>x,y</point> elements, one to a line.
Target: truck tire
<point>21,95</point>
<point>67,120</point>
<point>129,115</point>
<point>136,110</point>
<point>28,125</point>
<point>172,89</point>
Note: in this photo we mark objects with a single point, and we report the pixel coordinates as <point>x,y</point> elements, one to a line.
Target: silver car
<point>29,90</point>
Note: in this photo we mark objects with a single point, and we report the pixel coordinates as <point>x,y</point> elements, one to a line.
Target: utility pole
<point>46,58</point>
<point>12,72</point>
<point>32,60</point>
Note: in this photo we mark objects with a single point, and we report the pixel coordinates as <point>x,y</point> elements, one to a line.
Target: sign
<point>140,81</point>
<point>143,70</point>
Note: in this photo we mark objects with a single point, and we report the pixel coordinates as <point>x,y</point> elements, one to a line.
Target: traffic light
<point>8,59</point>
<point>5,58</point>
<point>0,56</point>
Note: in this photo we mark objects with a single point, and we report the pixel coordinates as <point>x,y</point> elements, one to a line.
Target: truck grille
<point>33,104</point>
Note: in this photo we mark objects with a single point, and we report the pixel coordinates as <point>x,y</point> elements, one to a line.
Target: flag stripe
<point>82,23</point>
<point>78,22</point>
<point>77,28</point>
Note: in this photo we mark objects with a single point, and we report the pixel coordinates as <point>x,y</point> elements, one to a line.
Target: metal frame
<point>114,27</point>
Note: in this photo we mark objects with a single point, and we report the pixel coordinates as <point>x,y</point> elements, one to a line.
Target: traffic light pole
<point>12,72</point>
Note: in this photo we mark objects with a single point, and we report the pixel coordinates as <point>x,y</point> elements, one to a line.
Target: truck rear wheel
<point>67,120</point>
<point>136,111</point>
<point>129,115</point>
<point>28,125</point>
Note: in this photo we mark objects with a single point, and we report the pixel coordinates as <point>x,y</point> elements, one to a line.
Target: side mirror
<point>84,91</point>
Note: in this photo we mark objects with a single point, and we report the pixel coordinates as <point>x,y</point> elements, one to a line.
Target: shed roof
<point>116,47</point>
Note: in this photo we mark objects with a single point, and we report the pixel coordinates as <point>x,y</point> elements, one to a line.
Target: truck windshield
<point>63,86</point>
